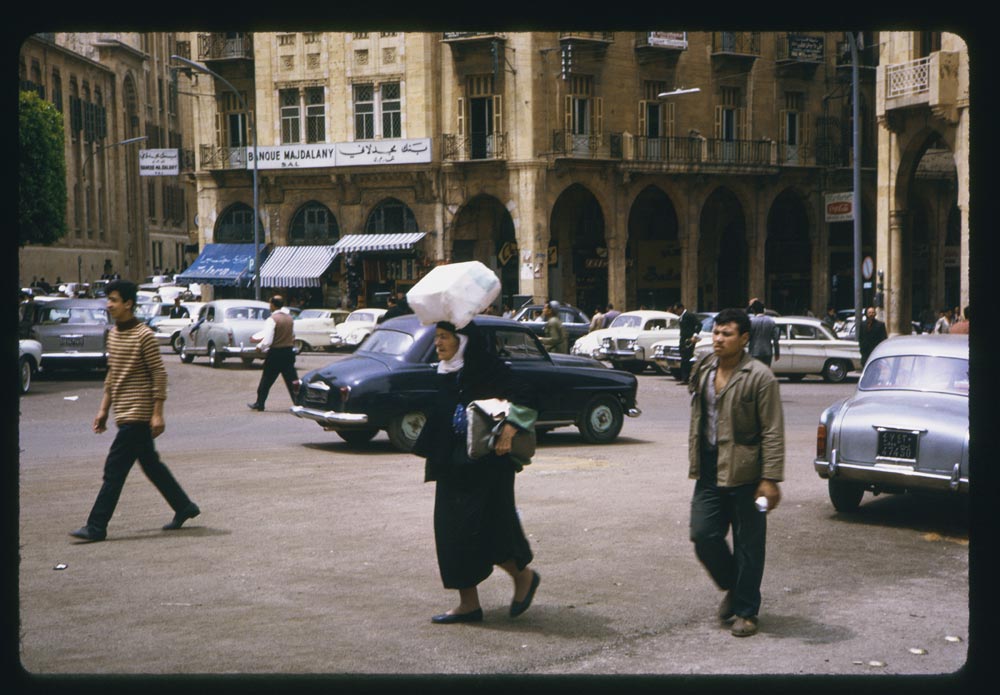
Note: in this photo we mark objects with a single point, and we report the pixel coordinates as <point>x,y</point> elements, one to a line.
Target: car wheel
<point>657,369</point>
<point>357,437</point>
<point>25,368</point>
<point>835,371</point>
<point>301,346</point>
<point>796,377</point>
<point>846,496</point>
<point>174,343</point>
<point>186,357</point>
<point>404,429</point>
<point>602,420</point>
<point>214,358</point>
<point>247,361</point>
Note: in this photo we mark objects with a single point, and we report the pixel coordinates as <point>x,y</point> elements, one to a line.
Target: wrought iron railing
<point>465,148</point>
<point>214,157</point>
<point>471,35</point>
<point>736,42</point>
<point>225,46</point>
<point>691,150</point>
<point>588,35</point>
<point>586,146</point>
<point>908,78</point>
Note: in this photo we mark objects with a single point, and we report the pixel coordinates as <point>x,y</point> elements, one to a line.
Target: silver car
<point>73,333</point>
<point>905,428</point>
<point>29,360</point>
<point>223,329</point>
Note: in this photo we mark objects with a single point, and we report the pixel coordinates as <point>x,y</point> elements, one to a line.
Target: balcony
<point>586,146</point>
<point>661,41</point>
<point>867,57</point>
<point>604,37</point>
<point>216,158</point>
<point>471,36</point>
<point>472,148</point>
<point>739,44</point>
<point>931,81</point>
<point>187,163</point>
<point>225,46</point>
<point>686,153</point>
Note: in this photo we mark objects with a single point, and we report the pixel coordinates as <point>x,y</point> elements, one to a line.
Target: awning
<point>296,266</point>
<point>360,243</point>
<point>222,264</point>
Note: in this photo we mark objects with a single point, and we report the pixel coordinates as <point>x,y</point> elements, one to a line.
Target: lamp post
<point>253,134</point>
<point>856,197</point>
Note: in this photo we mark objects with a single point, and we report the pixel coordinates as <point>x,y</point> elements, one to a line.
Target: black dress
<point>475,520</point>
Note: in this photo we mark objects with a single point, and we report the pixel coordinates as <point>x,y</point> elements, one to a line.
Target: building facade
<point>117,97</point>
<point>923,174</point>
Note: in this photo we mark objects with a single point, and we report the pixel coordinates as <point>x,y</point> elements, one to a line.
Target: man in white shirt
<point>277,340</point>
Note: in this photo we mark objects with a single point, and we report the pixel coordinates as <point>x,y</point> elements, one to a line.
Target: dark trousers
<point>766,359</point>
<point>134,441</point>
<point>714,510</point>
<point>686,355</point>
<point>278,361</point>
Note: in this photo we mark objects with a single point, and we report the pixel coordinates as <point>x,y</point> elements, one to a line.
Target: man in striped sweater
<point>136,385</point>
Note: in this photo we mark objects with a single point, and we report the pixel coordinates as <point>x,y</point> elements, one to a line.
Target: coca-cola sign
<point>839,207</point>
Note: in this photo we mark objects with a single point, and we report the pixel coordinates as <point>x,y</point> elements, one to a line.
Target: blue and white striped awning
<point>360,243</point>
<point>296,266</point>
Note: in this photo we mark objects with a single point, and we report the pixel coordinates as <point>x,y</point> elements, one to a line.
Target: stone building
<point>117,98</point>
<point>923,174</point>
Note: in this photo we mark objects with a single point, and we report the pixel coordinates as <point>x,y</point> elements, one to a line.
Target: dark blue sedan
<point>389,381</point>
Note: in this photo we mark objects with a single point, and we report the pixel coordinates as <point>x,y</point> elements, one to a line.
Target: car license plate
<point>71,340</point>
<point>896,445</point>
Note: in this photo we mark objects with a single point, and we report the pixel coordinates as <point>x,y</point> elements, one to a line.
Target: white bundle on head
<point>455,293</point>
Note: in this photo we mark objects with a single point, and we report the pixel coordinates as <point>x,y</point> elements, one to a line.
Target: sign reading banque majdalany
<point>342,154</point>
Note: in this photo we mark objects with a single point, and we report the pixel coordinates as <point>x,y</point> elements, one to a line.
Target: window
<point>377,105</point>
<point>315,115</point>
<point>517,345</point>
<point>289,110</point>
<point>57,98</point>
<point>235,226</point>
<point>313,224</point>
<point>391,216</point>
<point>583,114</point>
<point>151,196</point>
<point>795,128</point>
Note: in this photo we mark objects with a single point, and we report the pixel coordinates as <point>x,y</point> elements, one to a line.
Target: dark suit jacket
<point>690,326</point>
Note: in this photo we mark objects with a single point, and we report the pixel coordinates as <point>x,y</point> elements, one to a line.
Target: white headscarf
<point>457,360</point>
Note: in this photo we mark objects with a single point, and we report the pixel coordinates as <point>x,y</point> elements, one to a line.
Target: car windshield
<point>387,342</point>
<point>625,321</point>
<point>362,316</point>
<point>247,312</point>
<point>312,314</point>
<point>74,315</point>
<point>917,373</point>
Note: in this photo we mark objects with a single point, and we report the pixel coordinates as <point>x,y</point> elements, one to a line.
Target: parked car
<point>847,331</point>
<point>73,333</point>
<point>807,346</point>
<point>29,361</point>
<point>575,322</point>
<point>388,382</point>
<point>905,428</point>
<point>627,343</point>
<point>314,326</point>
<point>223,329</point>
<point>352,331</point>
<point>168,330</point>
<point>667,353</point>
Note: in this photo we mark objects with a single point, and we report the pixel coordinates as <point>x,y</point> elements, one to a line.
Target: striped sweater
<point>136,375</point>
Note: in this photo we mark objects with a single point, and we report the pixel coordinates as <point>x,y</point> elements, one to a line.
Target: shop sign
<point>159,162</point>
<point>839,207</point>
<point>667,39</point>
<point>409,151</point>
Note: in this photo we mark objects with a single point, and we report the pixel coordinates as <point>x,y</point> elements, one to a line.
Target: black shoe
<point>190,512</point>
<point>254,406</point>
<point>475,616</point>
<point>518,607</point>
<point>88,534</point>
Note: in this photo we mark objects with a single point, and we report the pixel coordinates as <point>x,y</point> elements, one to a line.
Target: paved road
<point>312,557</point>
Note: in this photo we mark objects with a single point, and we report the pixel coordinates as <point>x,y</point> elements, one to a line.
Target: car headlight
<point>659,351</point>
<point>606,342</point>
<point>631,344</point>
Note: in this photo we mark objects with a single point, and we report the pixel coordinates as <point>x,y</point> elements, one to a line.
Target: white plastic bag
<point>455,292</point>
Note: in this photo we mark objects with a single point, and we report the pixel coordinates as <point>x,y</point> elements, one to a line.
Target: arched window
<point>235,225</point>
<point>313,224</point>
<point>391,216</point>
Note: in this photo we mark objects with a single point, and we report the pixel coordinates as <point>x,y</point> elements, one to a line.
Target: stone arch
<point>653,251</point>
<point>788,254</point>
<point>391,216</point>
<point>313,223</point>
<point>722,252</point>
<point>483,229</point>
<point>235,225</point>
<point>578,266</point>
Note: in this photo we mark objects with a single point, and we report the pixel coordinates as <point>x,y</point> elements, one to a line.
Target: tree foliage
<point>41,172</point>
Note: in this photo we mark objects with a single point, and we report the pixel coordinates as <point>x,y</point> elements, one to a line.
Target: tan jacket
<point>751,429</point>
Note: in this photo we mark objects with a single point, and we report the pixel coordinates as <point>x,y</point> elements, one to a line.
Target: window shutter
<point>643,105</point>
<point>568,117</point>
<point>805,128</point>
<point>497,114</point>
<point>668,116</point>
<point>783,126</point>
<point>219,135</point>
<point>461,117</point>
<point>599,117</point>
<point>741,124</point>
<point>75,115</point>
<point>719,114</point>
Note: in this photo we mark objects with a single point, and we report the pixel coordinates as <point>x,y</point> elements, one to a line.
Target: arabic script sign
<point>366,152</point>
<point>160,162</point>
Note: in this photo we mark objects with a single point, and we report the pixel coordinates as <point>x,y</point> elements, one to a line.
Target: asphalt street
<point>312,557</point>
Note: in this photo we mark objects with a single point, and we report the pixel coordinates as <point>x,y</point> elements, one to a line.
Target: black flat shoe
<point>88,534</point>
<point>190,512</point>
<point>254,406</point>
<point>475,616</point>
<point>518,607</point>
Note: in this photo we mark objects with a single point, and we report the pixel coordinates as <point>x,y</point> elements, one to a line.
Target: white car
<point>355,328</point>
<point>168,330</point>
<point>808,346</point>
<point>314,326</point>
<point>224,328</point>
<point>29,361</point>
<point>627,343</point>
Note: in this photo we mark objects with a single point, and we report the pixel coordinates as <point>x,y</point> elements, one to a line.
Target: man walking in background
<point>871,332</point>
<point>277,339</point>
<point>764,334</point>
<point>136,386</point>
<point>690,326</point>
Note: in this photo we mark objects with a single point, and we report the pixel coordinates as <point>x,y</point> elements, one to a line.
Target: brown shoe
<point>726,607</point>
<point>744,627</point>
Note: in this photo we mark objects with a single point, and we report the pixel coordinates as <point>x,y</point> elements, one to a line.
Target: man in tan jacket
<point>736,449</point>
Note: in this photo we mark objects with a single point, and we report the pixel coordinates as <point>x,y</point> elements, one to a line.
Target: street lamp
<point>253,134</point>
<point>108,147</point>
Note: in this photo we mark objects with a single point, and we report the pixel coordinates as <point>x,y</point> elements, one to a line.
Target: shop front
<point>377,265</point>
